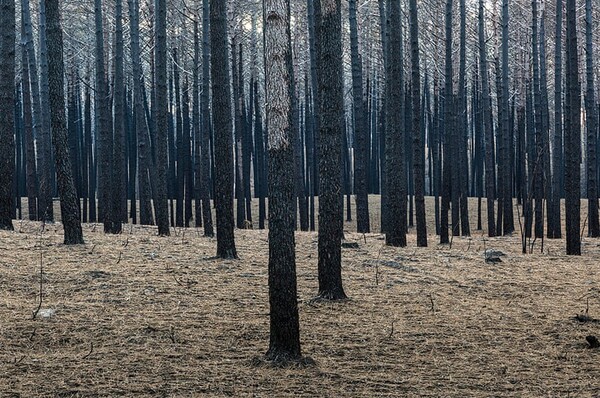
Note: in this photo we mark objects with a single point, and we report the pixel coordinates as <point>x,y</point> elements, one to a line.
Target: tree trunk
<point>331,119</point>
<point>591,128</point>
<point>572,135</point>
<point>205,140</point>
<point>119,170</point>
<point>69,203</point>
<point>7,112</point>
<point>284,344</point>
<point>221,110</point>
<point>395,152</point>
<point>557,153</point>
<point>360,128</point>
<point>141,126</point>
<point>161,117</point>
<point>418,144</point>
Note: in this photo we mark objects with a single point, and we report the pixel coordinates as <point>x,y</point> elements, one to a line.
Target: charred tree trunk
<point>331,119</point>
<point>221,110</point>
<point>69,203</point>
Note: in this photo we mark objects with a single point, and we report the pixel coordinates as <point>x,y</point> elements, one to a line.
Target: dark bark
<point>360,128</point>
<point>69,203</point>
<point>7,112</point>
<point>418,143</point>
<point>119,169</point>
<point>507,211</point>
<point>104,128</point>
<point>28,140</point>
<point>221,110</point>
<point>284,344</point>
<point>205,139</point>
<point>591,128</point>
<point>572,135</point>
<point>463,129</point>
<point>395,137</point>
<point>448,93</point>
<point>557,152</point>
<point>141,126</point>
<point>331,119</point>
<point>161,114</point>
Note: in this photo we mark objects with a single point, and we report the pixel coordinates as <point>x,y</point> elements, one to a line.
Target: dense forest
<point>181,114</point>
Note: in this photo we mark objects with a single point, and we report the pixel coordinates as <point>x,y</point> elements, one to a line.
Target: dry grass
<point>138,315</point>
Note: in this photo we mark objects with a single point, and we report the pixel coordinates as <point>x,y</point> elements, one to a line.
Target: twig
<point>120,256</point>
<point>41,285</point>
<point>91,350</point>
<point>391,331</point>
<point>432,302</point>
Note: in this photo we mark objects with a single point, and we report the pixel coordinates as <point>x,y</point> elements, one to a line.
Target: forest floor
<point>139,315</point>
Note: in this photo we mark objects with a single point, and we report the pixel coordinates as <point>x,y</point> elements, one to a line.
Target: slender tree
<point>284,342</point>
<point>161,114</point>
<point>572,135</point>
<point>360,128</point>
<point>119,169</point>
<point>221,110</point>
<point>557,152</point>
<point>591,126</point>
<point>69,202</point>
<point>205,139</point>
<point>487,126</point>
<point>141,126</point>
<point>7,114</point>
<point>418,143</point>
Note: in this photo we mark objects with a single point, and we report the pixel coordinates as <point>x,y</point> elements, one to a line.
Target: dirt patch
<point>138,315</point>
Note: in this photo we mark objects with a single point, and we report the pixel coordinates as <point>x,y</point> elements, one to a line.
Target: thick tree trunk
<point>331,119</point>
<point>221,109</point>
<point>69,203</point>
<point>284,344</point>
<point>395,152</point>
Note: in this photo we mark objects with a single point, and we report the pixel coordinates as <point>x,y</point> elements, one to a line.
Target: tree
<point>7,114</point>
<point>486,105</point>
<point>572,135</point>
<point>104,128</point>
<point>557,152</point>
<point>331,127</point>
<point>205,142</point>
<point>69,202</point>
<point>119,179</point>
<point>142,133</point>
<point>284,342</point>
<point>161,117</point>
<point>221,111</point>
<point>418,144</point>
<point>448,115</point>
<point>360,128</point>
<point>395,155</point>
<point>591,126</point>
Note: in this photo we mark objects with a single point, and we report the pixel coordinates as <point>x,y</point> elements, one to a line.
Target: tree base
<point>280,359</point>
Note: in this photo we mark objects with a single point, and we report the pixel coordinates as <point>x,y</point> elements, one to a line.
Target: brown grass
<point>138,315</point>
